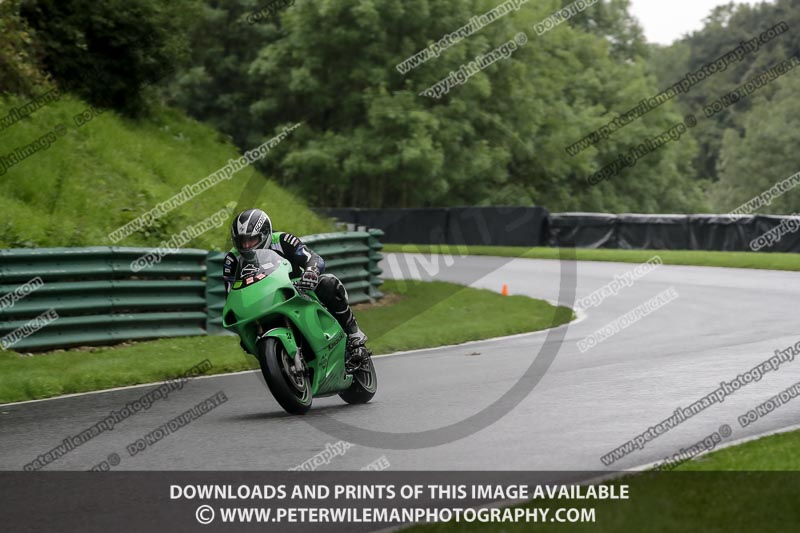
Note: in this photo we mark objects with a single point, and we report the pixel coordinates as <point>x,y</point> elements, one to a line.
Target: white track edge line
<point>580,317</point>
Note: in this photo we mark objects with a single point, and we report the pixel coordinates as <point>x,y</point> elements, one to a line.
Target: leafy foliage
<point>751,145</point>
<point>108,52</point>
<point>96,178</point>
<point>370,139</point>
<point>20,69</point>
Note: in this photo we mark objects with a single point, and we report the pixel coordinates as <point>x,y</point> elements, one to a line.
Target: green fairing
<point>267,303</point>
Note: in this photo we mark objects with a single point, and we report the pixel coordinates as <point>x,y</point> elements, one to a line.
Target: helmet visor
<point>246,242</point>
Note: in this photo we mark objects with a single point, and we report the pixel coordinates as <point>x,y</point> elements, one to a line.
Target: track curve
<point>724,322</point>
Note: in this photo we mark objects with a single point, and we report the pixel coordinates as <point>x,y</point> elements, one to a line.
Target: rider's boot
<point>356,342</point>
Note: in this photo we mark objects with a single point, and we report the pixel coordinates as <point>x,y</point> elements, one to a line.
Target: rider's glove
<point>309,280</point>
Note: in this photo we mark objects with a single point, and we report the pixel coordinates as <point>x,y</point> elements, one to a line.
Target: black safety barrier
<point>583,230</point>
<point>534,226</point>
<point>494,225</point>
<point>721,232</point>
<point>653,232</point>
<point>497,226</point>
<point>785,234</point>
<point>418,225</point>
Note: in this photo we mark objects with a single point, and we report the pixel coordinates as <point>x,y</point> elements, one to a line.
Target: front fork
<point>288,339</point>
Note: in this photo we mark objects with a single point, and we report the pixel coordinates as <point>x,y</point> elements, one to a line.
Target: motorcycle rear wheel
<point>365,384</point>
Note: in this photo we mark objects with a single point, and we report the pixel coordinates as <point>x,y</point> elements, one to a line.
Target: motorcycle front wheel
<point>292,390</point>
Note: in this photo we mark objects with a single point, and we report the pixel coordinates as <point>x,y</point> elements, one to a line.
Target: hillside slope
<point>79,183</point>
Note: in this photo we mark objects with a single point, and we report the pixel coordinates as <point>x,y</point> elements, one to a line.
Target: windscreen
<point>255,267</point>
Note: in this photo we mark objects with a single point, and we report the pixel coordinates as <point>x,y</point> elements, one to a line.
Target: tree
<point>108,52</point>
<point>764,153</point>
<point>20,67</point>
<point>369,138</point>
<point>725,28</point>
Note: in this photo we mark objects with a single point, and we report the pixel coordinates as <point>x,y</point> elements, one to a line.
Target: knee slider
<point>326,289</point>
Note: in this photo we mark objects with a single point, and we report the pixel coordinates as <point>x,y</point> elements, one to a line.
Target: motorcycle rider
<point>252,230</point>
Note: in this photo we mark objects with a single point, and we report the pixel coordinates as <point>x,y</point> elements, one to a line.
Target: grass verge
<point>748,487</point>
<point>768,261</point>
<point>423,315</point>
<point>109,171</point>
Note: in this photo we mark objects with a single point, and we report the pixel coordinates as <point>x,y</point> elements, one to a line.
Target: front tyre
<point>365,384</point>
<point>292,390</point>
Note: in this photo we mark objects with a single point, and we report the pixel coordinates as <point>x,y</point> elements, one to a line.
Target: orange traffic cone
<point>504,292</point>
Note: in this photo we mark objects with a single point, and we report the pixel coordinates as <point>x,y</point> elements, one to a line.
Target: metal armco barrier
<point>99,300</point>
<point>353,257</point>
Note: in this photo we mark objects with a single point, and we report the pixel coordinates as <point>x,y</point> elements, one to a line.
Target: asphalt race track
<point>724,322</point>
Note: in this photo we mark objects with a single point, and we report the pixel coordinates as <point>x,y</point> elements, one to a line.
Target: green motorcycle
<point>301,348</point>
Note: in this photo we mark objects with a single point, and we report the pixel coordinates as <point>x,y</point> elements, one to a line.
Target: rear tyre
<point>291,390</point>
<point>365,384</point>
